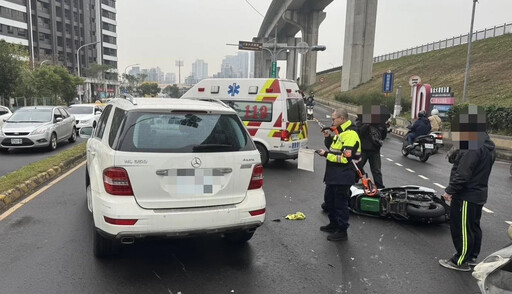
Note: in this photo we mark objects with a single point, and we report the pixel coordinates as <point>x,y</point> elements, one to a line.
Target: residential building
<point>234,66</point>
<point>199,70</point>
<point>59,29</point>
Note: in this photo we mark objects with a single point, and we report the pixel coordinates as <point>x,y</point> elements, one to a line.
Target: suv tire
<point>263,153</point>
<point>102,246</point>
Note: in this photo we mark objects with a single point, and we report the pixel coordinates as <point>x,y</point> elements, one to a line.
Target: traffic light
<point>318,48</point>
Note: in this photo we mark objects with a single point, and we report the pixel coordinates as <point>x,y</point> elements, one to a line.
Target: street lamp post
<point>78,63</point>
<point>125,73</point>
<point>466,77</point>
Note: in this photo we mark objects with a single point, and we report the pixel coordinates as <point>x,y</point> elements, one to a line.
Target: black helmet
<point>422,113</point>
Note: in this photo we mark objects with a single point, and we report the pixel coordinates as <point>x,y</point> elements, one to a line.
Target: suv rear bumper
<point>176,222</point>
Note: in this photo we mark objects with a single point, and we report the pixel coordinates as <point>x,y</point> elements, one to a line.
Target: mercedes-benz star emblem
<point>196,162</point>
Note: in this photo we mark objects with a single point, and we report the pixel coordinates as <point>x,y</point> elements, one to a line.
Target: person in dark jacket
<point>339,173</point>
<point>372,133</point>
<point>420,127</point>
<point>467,193</point>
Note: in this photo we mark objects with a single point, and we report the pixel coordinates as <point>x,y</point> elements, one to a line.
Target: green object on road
<point>370,204</point>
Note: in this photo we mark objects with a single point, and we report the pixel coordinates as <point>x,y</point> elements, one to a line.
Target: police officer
<point>339,173</point>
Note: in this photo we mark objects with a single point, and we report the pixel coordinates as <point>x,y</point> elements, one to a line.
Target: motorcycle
<point>414,203</point>
<point>309,111</point>
<point>422,146</point>
<point>438,143</point>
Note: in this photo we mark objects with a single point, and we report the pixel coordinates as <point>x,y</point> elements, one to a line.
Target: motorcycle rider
<point>420,127</point>
<point>435,121</point>
<point>310,101</point>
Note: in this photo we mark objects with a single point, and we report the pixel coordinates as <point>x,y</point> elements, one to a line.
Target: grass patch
<point>489,79</point>
<point>10,180</point>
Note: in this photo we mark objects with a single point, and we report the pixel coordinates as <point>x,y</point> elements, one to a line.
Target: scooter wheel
<point>405,152</point>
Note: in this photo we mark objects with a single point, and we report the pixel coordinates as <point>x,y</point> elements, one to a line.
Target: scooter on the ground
<point>422,146</point>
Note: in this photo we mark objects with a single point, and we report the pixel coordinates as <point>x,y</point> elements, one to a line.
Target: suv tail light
<point>117,182</point>
<point>285,135</point>
<point>257,177</point>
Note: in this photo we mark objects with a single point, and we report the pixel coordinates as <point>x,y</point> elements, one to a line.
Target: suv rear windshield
<point>296,110</point>
<point>182,133</point>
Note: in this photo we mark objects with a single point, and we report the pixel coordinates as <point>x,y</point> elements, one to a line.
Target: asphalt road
<point>18,158</point>
<point>47,243</point>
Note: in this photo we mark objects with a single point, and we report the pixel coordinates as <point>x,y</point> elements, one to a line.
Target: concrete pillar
<point>359,42</point>
<point>310,21</point>
<point>262,61</point>
<point>292,59</point>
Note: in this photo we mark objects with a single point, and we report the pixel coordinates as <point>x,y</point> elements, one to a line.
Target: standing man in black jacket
<point>371,127</point>
<point>472,163</point>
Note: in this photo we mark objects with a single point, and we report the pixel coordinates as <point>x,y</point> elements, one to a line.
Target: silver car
<point>5,113</point>
<point>37,126</point>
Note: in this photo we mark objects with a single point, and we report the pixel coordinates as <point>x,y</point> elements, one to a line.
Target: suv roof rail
<point>129,98</point>
<point>215,100</point>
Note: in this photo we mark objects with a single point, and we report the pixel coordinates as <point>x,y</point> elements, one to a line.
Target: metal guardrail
<point>450,42</point>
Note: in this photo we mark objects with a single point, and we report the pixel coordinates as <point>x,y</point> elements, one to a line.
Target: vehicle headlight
<point>86,121</point>
<point>39,131</point>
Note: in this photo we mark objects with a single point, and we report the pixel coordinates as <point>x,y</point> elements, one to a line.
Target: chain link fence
<point>451,42</point>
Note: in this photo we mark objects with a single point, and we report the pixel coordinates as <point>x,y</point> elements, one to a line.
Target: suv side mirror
<point>97,112</point>
<point>58,119</point>
<point>85,132</point>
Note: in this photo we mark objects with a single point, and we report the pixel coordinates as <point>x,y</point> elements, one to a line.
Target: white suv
<point>171,168</point>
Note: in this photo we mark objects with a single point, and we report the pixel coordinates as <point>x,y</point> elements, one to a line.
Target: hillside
<point>490,75</point>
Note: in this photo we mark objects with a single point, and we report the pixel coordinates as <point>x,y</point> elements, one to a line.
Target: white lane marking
<point>389,159</point>
<point>39,192</point>
<point>398,164</point>
<point>410,170</point>
<point>440,186</point>
<point>487,210</point>
<point>423,177</point>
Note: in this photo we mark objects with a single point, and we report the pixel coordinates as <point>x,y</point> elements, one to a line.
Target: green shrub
<point>374,98</point>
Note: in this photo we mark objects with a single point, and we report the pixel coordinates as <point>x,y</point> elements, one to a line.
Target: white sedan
<point>86,115</point>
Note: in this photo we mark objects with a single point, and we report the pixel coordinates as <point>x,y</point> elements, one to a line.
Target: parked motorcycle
<point>415,203</point>
<point>422,147</point>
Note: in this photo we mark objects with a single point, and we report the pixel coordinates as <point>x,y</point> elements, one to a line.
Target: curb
<point>11,196</point>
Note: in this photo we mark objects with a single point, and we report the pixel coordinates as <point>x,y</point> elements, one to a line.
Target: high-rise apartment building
<point>57,30</point>
<point>199,70</point>
<point>234,66</point>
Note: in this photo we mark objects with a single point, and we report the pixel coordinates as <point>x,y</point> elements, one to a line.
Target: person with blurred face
<point>473,156</point>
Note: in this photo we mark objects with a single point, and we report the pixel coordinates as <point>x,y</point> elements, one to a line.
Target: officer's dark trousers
<point>375,165</point>
<point>465,228</point>
<point>336,198</point>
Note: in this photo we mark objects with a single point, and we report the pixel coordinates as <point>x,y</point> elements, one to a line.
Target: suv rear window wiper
<point>209,147</point>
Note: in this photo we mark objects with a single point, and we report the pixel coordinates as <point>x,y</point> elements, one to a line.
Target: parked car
<point>494,273</point>
<point>5,113</point>
<point>86,115</point>
<point>37,126</point>
<point>171,168</point>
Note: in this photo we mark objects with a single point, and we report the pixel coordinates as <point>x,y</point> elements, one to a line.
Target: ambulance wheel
<point>263,153</point>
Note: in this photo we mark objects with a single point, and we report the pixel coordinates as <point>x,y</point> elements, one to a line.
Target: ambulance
<point>272,110</point>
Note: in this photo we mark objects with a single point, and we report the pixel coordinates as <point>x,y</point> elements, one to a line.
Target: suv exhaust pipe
<point>127,240</point>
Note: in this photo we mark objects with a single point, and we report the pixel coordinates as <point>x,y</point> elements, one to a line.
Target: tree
<point>172,91</point>
<point>149,88</point>
<point>97,71</point>
<point>56,82</point>
<point>13,59</point>
<point>67,89</point>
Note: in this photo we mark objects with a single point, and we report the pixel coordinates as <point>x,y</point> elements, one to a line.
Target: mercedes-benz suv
<point>171,168</point>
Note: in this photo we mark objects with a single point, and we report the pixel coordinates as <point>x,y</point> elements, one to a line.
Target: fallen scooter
<point>411,202</point>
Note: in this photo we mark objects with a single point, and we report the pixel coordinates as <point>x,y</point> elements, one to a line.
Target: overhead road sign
<point>246,45</point>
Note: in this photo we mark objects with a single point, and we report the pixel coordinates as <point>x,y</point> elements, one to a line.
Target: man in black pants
<point>372,132</point>
<point>467,191</point>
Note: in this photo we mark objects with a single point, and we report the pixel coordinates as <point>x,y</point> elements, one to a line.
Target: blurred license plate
<point>429,146</point>
<point>16,141</point>
<point>439,141</point>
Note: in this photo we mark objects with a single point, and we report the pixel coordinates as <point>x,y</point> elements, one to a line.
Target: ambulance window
<point>251,110</point>
<point>296,110</point>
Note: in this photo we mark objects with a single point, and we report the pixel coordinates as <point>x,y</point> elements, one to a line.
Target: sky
<point>155,33</point>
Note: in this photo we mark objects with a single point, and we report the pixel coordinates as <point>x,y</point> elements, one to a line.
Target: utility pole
<point>78,64</point>
<point>470,37</point>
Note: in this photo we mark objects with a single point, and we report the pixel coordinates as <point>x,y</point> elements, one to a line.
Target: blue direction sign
<point>387,82</point>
